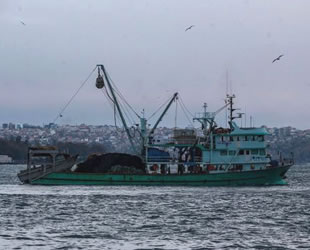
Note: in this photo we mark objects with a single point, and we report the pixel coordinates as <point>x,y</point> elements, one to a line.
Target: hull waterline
<point>272,176</point>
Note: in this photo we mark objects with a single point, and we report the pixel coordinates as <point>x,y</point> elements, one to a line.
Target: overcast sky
<point>144,47</point>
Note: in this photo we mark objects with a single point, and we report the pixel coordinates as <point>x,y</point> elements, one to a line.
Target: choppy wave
<point>121,217</point>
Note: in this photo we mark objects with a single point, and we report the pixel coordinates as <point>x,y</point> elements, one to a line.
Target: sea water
<point>138,217</point>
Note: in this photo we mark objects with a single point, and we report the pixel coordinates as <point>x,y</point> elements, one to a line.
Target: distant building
<point>51,125</point>
<point>5,159</point>
<point>5,125</point>
<point>26,125</point>
<point>11,126</point>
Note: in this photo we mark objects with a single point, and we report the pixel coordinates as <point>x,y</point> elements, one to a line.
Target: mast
<point>231,109</point>
<point>100,84</point>
<point>143,133</point>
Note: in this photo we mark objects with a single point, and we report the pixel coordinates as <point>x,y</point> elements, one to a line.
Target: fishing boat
<point>206,156</point>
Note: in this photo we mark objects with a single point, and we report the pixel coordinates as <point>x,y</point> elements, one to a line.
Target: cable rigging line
<point>121,96</point>
<point>176,114</point>
<point>124,106</point>
<point>186,107</point>
<point>127,114</point>
<point>112,104</point>
<point>75,94</point>
<point>159,109</point>
<point>190,121</point>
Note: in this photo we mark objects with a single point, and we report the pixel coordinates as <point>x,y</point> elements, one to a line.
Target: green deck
<point>272,176</point>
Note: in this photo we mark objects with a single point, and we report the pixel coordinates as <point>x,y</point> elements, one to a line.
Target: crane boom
<point>163,113</point>
<point>118,107</point>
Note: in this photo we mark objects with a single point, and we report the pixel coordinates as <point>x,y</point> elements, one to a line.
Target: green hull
<point>272,176</point>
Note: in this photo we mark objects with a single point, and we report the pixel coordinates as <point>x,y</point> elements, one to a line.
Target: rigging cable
<point>176,113</point>
<point>75,94</point>
<point>121,96</point>
<point>186,107</point>
<point>107,95</point>
<point>159,108</point>
<point>127,113</point>
<point>183,108</point>
<point>112,104</point>
<point>123,106</point>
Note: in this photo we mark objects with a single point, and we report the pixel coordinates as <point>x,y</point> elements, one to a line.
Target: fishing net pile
<point>116,163</point>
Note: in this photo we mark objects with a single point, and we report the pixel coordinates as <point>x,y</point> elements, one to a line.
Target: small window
<point>262,152</point>
<point>238,139</point>
<point>231,138</point>
<point>241,152</point>
<point>239,167</point>
<point>246,138</point>
<point>247,152</point>
<point>232,152</point>
<point>254,151</point>
<point>223,152</point>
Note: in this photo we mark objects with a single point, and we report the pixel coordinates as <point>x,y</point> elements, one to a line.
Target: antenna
<point>226,110</point>
<point>231,109</point>
<point>245,115</point>
<point>226,81</point>
<point>240,116</point>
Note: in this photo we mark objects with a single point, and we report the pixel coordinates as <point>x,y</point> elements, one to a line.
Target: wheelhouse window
<point>262,152</point>
<point>232,152</point>
<point>223,152</point>
<point>254,151</point>
<point>241,152</point>
<point>261,138</point>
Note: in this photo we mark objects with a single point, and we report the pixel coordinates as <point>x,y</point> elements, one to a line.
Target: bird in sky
<point>22,23</point>
<point>277,59</point>
<point>188,28</point>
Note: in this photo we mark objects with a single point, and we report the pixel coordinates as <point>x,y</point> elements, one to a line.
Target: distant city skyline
<point>48,49</point>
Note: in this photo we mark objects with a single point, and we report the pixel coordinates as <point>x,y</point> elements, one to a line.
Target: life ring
<point>154,167</point>
<point>211,167</point>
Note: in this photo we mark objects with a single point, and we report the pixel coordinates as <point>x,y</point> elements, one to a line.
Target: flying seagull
<point>277,59</point>
<point>22,23</point>
<point>190,27</point>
